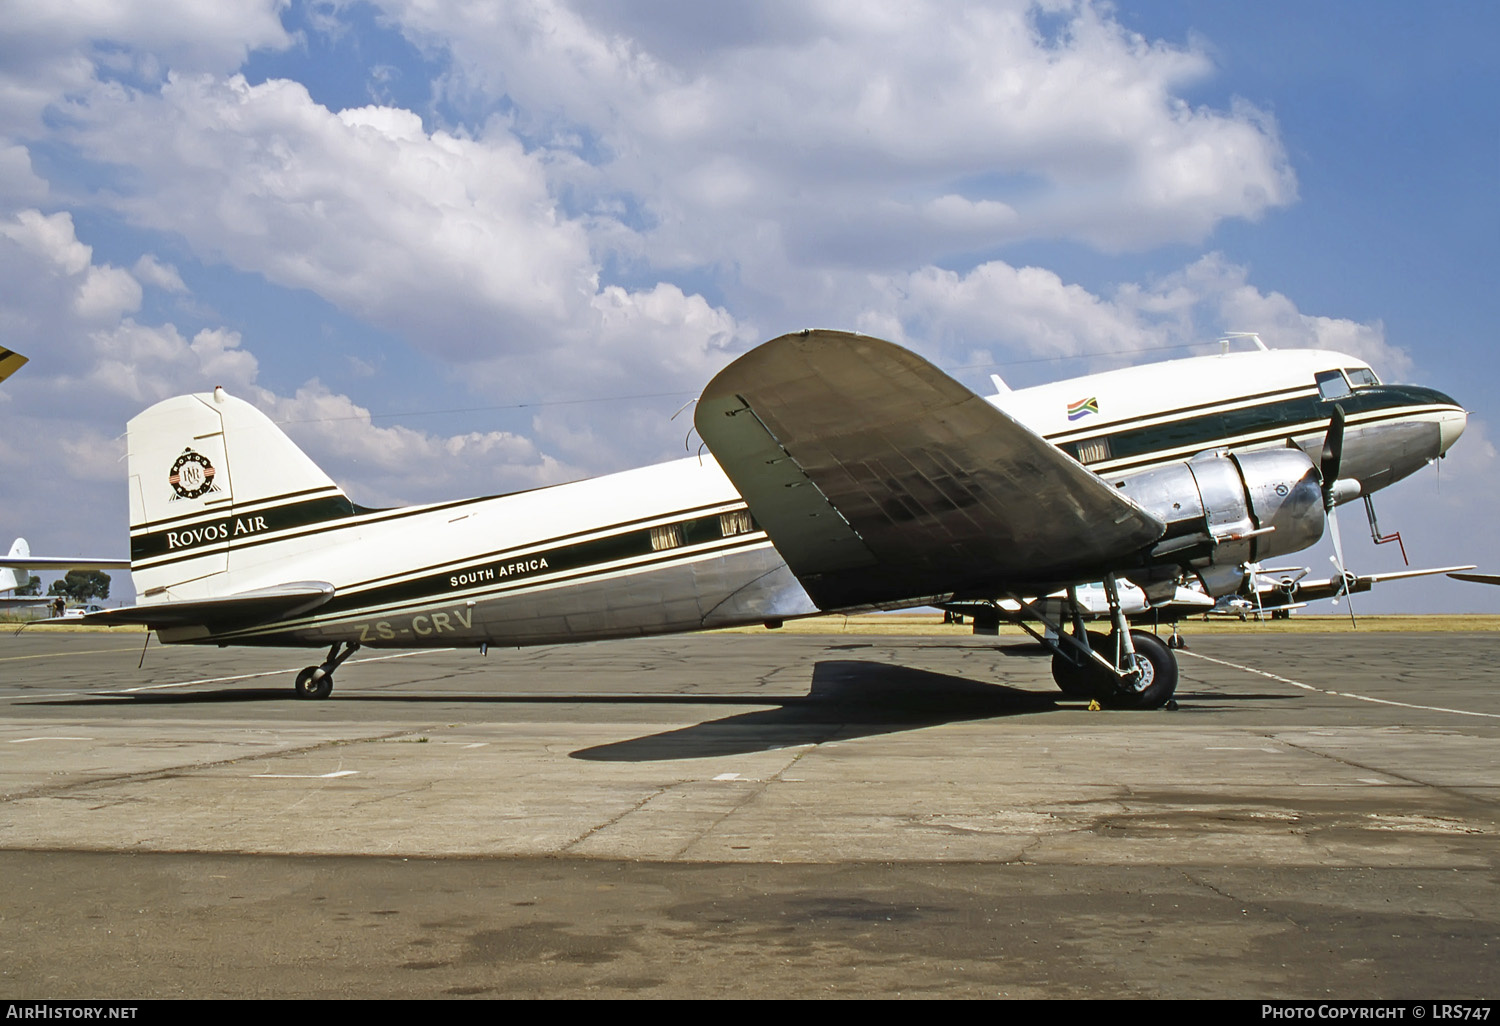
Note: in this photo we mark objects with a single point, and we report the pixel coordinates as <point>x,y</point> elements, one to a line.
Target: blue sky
<point>461,248</point>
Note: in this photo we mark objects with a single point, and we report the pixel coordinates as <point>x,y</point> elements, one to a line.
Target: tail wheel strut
<point>317,681</point>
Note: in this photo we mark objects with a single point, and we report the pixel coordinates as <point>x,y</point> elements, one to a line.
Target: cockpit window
<point>1360,377</point>
<point>1331,384</point>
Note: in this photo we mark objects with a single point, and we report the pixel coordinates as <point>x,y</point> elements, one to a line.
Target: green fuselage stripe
<point>1284,415</point>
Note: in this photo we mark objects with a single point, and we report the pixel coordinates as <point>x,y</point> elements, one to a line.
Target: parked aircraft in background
<point>1272,590</point>
<point>1266,592</point>
<point>1276,591</point>
<point>1091,601</point>
<point>846,473</point>
<point>11,580</point>
<point>17,565</point>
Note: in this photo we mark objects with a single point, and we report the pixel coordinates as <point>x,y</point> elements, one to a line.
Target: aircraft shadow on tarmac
<point>842,692</point>
<point>848,698</point>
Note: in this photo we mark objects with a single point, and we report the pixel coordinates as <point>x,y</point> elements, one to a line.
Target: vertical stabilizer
<point>210,474</point>
<point>13,577</point>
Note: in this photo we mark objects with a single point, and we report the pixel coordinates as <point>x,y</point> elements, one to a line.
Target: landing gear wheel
<point>1156,676</point>
<point>1081,680</point>
<point>312,684</point>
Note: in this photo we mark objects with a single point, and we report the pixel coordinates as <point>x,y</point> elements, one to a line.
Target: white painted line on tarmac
<point>303,776</point>
<point>190,683</point>
<point>223,680</point>
<point>24,740</point>
<point>1340,694</point>
<point>68,652</point>
<point>268,673</point>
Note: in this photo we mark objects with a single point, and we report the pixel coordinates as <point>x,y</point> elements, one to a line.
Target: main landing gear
<point>317,681</point>
<point>1143,678</point>
<point>1124,669</point>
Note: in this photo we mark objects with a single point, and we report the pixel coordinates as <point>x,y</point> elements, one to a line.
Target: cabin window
<point>731,524</point>
<point>667,536</point>
<point>1361,377</point>
<point>1331,384</point>
<point>1093,451</point>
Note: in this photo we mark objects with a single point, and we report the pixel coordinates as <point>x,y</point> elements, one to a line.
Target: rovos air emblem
<point>192,475</point>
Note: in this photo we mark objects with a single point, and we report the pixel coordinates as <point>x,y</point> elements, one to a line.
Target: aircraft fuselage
<point>674,548</point>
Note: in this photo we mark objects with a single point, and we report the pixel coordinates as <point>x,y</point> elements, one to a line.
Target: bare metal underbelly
<point>746,586</point>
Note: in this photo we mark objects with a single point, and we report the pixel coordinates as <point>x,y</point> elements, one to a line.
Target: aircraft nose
<point>1450,426</point>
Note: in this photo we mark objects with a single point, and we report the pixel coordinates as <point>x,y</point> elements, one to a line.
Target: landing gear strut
<point>317,681</point>
<point>1124,669</point>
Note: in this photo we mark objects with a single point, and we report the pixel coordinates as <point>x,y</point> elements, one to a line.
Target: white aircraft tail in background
<point>16,568</point>
<point>17,576</point>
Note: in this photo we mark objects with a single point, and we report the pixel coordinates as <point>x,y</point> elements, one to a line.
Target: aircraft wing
<point>1187,600</point>
<point>881,480</point>
<point>1476,578</point>
<point>10,362</point>
<point>1308,591</point>
<point>245,609</point>
<point>1279,607</point>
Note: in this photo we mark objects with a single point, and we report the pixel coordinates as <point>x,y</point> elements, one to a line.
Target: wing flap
<point>879,478</point>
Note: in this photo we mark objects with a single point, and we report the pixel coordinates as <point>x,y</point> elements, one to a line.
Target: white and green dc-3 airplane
<point>846,473</point>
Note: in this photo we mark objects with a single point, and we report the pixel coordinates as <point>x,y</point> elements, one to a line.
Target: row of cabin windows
<point>1332,384</point>
<point>669,536</point>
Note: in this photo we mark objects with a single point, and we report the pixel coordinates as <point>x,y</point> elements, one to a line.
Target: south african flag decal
<point>1083,407</point>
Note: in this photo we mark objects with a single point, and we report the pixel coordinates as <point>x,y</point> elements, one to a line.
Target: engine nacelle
<point>1225,509</point>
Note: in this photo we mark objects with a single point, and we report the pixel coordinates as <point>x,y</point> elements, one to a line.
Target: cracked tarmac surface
<point>750,815</point>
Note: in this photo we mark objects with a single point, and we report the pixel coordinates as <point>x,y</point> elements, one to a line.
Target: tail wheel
<point>311,684</point>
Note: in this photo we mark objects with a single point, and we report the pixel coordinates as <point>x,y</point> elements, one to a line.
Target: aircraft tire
<point>1159,670</point>
<point>1081,680</point>
<point>309,687</point>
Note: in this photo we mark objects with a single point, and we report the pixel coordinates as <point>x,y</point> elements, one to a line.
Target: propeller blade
<point>1338,561</point>
<point>1333,454</point>
<point>1328,468</point>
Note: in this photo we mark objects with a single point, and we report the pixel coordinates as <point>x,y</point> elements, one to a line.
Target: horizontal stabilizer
<point>243,610</point>
<point>881,479</point>
<point>65,563</point>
